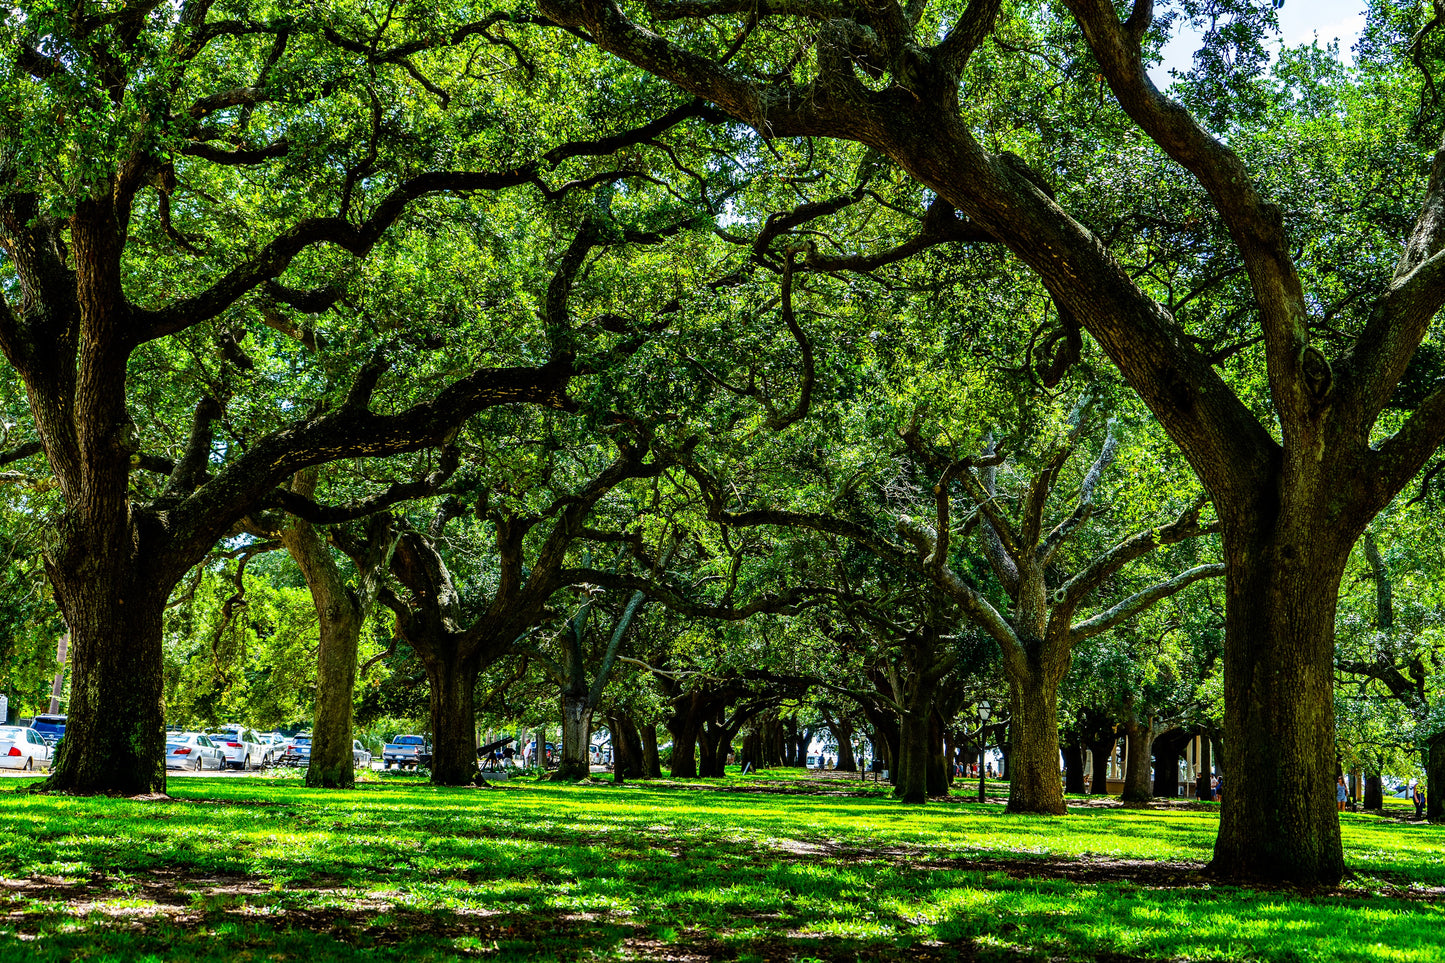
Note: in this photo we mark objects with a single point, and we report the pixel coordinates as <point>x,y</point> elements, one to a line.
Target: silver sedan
<point>193,750</point>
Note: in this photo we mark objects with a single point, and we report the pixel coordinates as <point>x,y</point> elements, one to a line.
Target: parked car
<point>22,747</point>
<point>274,744</point>
<point>297,751</point>
<point>241,745</point>
<point>360,754</point>
<point>406,751</point>
<point>50,726</point>
<point>193,750</point>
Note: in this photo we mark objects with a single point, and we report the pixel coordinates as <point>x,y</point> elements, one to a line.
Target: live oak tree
<point>1293,487</point>
<point>459,630</point>
<point>178,176</point>
<point>1043,621</point>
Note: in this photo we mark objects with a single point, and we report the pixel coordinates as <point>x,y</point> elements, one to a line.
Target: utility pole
<point>59,685</point>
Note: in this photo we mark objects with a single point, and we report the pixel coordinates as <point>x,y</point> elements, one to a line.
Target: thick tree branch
<point>358,238</point>
<point>194,461</point>
<point>790,602</point>
<point>770,110</point>
<point>1135,604</point>
<point>1256,226</point>
<point>308,510</point>
<point>1044,553</point>
<point>1068,597</point>
<point>777,421</point>
<point>350,431</point>
<point>967,34</point>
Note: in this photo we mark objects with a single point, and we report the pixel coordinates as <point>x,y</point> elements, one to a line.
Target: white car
<point>23,748</point>
<point>360,755</point>
<point>242,747</point>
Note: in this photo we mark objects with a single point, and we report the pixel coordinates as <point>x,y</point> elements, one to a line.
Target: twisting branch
<point>967,35</point>
<point>310,511</point>
<point>358,239</point>
<point>1135,604</point>
<point>1085,507</point>
<point>778,421</point>
<point>191,468</point>
<point>1186,526</point>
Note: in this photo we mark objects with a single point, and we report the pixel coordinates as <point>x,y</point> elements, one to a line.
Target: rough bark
<point>452,709</point>
<point>1279,818</point>
<point>1138,748</point>
<point>1032,762</point>
<point>1435,779</point>
<point>115,736</point>
<point>575,761</point>
<point>339,620</point>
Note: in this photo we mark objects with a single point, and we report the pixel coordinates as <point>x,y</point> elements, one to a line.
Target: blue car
<point>51,727</point>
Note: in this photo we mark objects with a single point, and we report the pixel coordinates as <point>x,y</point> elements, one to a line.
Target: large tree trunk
<point>843,732</point>
<point>651,760</point>
<point>453,682</point>
<point>576,737</point>
<point>914,751</point>
<point>115,739</point>
<point>1278,818</point>
<point>1138,746</point>
<point>937,762</point>
<point>1167,749</point>
<point>1435,778</point>
<point>684,751</point>
<point>1032,762</point>
<point>706,749</point>
<point>1374,792</point>
<point>1073,764</point>
<point>1103,750</point>
<point>339,620</point>
<point>683,725</point>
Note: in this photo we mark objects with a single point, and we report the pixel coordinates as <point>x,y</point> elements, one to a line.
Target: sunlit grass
<point>238,869</point>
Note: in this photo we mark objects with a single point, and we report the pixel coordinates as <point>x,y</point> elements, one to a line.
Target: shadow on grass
<point>568,872</point>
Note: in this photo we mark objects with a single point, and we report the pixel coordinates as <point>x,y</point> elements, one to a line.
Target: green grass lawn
<point>257,869</point>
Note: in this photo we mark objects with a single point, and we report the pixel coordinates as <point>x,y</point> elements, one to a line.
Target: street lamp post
<point>983,708</point>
